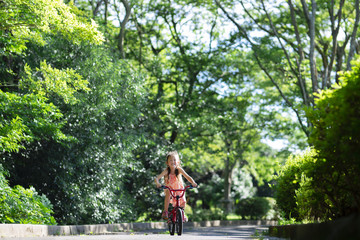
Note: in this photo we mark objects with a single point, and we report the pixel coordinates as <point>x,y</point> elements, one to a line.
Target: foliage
<point>336,129</point>
<point>25,206</point>
<point>324,182</point>
<point>298,52</point>
<point>288,182</point>
<point>211,191</point>
<point>302,196</point>
<point>48,102</point>
<point>90,173</point>
<point>96,129</point>
<point>24,20</point>
<point>242,186</point>
<point>198,100</point>
<point>207,215</point>
<point>257,208</point>
<point>26,118</point>
<point>48,81</point>
<point>104,124</point>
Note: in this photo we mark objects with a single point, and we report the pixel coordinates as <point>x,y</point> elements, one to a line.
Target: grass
<point>188,212</point>
<point>233,217</point>
<point>260,234</point>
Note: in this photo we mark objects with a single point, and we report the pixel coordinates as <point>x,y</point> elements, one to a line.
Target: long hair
<point>176,155</point>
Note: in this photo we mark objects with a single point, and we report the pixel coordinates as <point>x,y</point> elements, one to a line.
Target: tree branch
<point>301,81</point>
<point>253,46</point>
<point>122,28</point>
<point>334,34</point>
<point>97,7</point>
<point>311,23</point>
<point>353,36</point>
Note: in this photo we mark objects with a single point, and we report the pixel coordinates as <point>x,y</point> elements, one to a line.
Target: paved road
<point>244,232</point>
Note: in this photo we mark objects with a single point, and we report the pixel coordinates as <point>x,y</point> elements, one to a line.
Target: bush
<point>257,208</point>
<point>336,137</point>
<point>207,215</point>
<point>20,205</point>
<point>309,188</point>
<point>324,183</point>
<point>288,183</point>
<point>311,203</point>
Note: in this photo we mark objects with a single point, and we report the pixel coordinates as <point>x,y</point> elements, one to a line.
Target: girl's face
<point>172,162</point>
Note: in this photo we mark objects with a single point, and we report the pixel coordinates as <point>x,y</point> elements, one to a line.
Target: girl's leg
<point>166,200</point>
<point>166,205</point>
<point>183,202</point>
<point>183,205</point>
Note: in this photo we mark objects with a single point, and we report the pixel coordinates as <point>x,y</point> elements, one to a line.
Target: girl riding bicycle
<point>173,179</point>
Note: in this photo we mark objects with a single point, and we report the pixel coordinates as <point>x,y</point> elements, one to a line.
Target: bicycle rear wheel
<point>179,221</point>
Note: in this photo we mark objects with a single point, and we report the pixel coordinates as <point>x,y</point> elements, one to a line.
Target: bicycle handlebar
<point>166,187</point>
<point>172,191</point>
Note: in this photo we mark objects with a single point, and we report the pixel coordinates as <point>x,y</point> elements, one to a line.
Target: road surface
<point>243,232</point>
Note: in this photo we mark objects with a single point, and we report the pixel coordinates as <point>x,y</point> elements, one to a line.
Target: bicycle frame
<point>177,197</point>
<point>173,218</point>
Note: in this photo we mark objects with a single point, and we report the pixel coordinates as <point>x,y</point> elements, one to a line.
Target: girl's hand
<point>158,185</point>
<point>194,184</point>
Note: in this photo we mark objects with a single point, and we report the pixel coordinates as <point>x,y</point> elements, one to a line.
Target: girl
<point>173,178</point>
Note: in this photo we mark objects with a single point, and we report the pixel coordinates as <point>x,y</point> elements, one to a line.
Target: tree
<point>187,73</point>
<point>322,183</point>
<point>237,134</point>
<point>50,115</point>
<point>25,206</point>
<point>23,21</point>
<point>20,22</point>
<point>88,179</point>
<point>123,22</point>
<point>292,46</point>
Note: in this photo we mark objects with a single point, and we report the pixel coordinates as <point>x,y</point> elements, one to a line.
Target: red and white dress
<point>175,183</point>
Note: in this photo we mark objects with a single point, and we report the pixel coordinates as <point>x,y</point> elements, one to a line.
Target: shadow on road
<point>243,232</point>
<point>231,232</point>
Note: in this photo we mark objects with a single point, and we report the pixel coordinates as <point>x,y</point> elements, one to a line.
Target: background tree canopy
<point>94,93</point>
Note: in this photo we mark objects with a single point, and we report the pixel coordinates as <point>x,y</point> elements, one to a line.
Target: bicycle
<point>176,216</point>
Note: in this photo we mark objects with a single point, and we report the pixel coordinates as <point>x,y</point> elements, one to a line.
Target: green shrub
<point>288,182</point>
<point>305,189</point>
<point>336,136</point>
<point>257,208</point>
<point>309,201</point>
<point>324,183</point>
<point>207,215</point>
<point>20,205</point>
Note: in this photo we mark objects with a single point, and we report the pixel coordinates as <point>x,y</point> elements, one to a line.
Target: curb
<point>32,230</point>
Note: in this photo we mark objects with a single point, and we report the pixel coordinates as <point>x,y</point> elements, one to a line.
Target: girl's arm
<point>159,177</point>
<point>190,179</point>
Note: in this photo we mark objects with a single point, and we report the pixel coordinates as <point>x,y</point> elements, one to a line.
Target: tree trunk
<point>122,28</point>
<point>174,134</point>
<point>228,171</point>
<point>96,8</point>
<point>353,36</point>
<point>106,14</point>
<point>314,77</point>
<point>227,188</point>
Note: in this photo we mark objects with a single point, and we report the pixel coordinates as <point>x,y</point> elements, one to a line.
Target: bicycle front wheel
<point>171,225</point>
<point>179,221</point>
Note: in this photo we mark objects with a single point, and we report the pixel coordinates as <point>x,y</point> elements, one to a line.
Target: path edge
<point>33,230</point>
